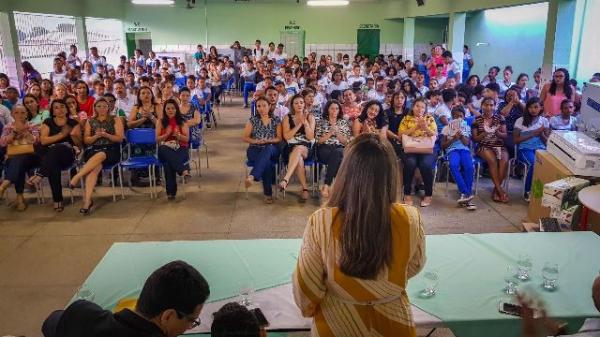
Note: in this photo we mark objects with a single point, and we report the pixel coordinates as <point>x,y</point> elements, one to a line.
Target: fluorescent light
<point>152,2</point>
<point>327,2</point>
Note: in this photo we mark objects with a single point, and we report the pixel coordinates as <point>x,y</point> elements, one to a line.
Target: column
<point>456,36</point>
<point>563,30</point>
<point>83,49</point>
<point>408,39</point>
<point>12,56</point>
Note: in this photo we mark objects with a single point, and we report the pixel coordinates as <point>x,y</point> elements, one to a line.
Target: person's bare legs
<point>301,174</point>
<point>503,173</point>
<point>3,187</point>
<point>490,157</point>
<point>90,183</point>
<point>96,160</point>
<point>295,157</point>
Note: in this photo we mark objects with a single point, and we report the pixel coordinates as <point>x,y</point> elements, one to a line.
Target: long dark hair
<point>414,92</point>
<point>263,98</point>
<point>29,112</point>
<point>87,87</point>
<point>27,67</point>
<point>396,94</point>
<point>380,120</point>
<point>527,117</point>
<point>178,116</point>
<point>58,101</point>
<point>328,105</point>
<point>364,191</point>
<point>566,84</point>
<point>152,98</point>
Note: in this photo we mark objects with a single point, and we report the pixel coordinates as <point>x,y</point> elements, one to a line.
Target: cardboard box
<point>562,194</point>
<point>546,169</point>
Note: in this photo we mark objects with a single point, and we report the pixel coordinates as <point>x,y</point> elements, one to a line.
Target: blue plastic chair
<point>227,89</point>
<point>140,137</point>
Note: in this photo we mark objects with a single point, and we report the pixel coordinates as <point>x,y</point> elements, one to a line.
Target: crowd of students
<point>431,111</point>
<point>303,111</point>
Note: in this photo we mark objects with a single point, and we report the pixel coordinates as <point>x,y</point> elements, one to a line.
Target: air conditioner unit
<point>578,152</point>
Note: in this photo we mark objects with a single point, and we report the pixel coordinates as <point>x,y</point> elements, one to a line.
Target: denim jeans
<point>262,159</point>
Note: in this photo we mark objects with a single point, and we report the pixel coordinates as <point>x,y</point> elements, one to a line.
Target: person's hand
<point>168,131</point>
<point>536,326</point>
<point>458,134</point>
<point>299,119</point>
<point>65,130</point>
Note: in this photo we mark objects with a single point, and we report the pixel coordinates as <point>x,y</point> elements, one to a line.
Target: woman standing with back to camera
<point>359,251</point>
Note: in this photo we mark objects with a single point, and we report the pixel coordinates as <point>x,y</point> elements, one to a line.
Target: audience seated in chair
<point>173,136</point>
<point>489,132</point>
<point>332,134</point>
<point>418,124</point>
<point>103,134</point>
<point>59,137</point>
<point>19,138</point>
<point>263,133</point>
<point>299,133</point>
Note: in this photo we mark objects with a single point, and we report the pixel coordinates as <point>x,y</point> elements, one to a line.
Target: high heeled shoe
<point>87,211</point>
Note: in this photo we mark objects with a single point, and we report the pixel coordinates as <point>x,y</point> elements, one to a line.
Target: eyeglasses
<point>194,322</point>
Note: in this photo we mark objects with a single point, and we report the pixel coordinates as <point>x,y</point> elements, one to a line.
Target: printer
<point>578,152</point>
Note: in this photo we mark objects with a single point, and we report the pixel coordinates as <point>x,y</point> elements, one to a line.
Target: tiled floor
<point>45,256</point>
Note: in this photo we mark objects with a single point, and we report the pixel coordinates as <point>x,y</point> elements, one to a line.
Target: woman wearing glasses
<point>555,92</point>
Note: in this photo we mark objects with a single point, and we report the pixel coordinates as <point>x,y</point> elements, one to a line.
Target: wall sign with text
<point>137,27</point>
<point>291,25</point>
<point>368,26</point>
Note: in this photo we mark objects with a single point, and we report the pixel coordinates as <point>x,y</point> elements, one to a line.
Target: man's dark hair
<point>234,320</point>
<point>447,53</point>
<point>448,95</point>
<point>493,87</point>
<point>176,285</point>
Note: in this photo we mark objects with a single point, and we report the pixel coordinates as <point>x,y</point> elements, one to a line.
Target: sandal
<point>248,182</point>
<point>86,211</point>
<point>426,202</point>
<point>304,196</point>
<point>504,197</point>
<point>59,208</point>
<point>268,200</point>
<point>496,197</point>
<point>408,200</point>
<point>283,185</point>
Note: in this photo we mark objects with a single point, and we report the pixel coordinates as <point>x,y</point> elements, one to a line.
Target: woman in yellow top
<point>418,124</point>
<point>359,252</point>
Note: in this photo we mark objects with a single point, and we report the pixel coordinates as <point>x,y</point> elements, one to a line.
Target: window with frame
<point>42,36</point>
<point>106,35</point>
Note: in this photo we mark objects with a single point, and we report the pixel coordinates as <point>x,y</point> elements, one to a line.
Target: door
<point>367,41</point>
<point>293,41</point>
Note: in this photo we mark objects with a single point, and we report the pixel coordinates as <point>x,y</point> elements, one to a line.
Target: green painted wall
<point>248,21</point>
<point>430,30</point>
<point>511,36</point>
<point>409,8</point>
<point>103,8</point>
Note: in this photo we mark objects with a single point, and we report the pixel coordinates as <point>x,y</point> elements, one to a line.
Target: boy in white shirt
<point>257,52</point>
<point>452,67</point>
<point>290,85</point>
<point>355,76</point>
<point>443,113</point>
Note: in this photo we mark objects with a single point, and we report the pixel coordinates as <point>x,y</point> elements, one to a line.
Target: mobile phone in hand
<point>515,310</point>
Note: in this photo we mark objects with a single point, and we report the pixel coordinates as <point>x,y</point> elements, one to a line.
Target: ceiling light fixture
<point>327,2</point>
<point>153,2</point>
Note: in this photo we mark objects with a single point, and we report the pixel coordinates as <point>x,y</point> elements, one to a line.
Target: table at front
<point>471,270</point>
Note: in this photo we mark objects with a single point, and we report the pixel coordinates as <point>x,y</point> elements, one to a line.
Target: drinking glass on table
<point>550,276</point>
<point>85,293</point>
<point>524,267</point>
<point>510,277</point>
<point>245,293</point>
<point>432,279</point>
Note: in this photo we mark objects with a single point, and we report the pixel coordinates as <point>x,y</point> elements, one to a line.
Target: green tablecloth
<point>471,271</point>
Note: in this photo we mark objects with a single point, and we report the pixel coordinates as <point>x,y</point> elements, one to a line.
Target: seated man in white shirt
<point>125,101</point>
<point>378,94</point>
<point>284,96</point>
<point>423,89</point>
<point>290,83</point>
<point>272,96</point>
<point>355,76</point>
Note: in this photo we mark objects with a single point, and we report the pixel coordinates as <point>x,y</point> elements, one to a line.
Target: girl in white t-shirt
<point>530,134</point>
